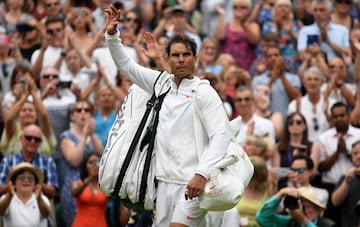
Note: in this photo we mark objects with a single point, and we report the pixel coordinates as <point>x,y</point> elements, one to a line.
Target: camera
<point>291,202</point>
<point>64,84</point>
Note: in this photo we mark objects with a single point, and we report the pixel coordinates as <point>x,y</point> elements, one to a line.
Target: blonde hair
<point>264,143</point>
<point>259,181</point>
<point>282,2</point>
<point>247,2</point>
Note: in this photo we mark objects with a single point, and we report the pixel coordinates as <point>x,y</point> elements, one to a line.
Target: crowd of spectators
<point>289,68</point>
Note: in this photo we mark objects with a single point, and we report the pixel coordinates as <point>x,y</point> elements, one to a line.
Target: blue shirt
<point>279,98</point>
<point>338,34</point>
<point>103,126</point>
<point>45,163</point>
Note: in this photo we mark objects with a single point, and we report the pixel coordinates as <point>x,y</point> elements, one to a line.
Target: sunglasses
<point>86,110</point>
<point>246,99</point>
<point>23,177</point>
<point>53,31</point>
<point>347,2</point>
<point>240,7</point>
<point>47,76</point>
<point>33,138</point>
<point>299,170</point>
<point>295,122</point>
<point>316,124</point>
<point>129,19</point>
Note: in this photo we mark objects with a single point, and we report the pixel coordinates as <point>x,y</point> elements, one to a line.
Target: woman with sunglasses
<point>340,14</point>
<point>75,144</point>
<point>294,141</point>
<point>24,112</point>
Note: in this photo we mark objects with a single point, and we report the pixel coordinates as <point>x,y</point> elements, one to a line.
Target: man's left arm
<point>215,124</point>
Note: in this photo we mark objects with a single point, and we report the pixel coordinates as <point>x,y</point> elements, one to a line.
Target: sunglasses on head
<point>86,110</point>
<point>47,76</point>
<point>299,170</point>
<point>33,138</point>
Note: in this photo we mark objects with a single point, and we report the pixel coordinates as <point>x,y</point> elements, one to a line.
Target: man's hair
<point>340,104</point>
<point>184,39</point>
<point>314,70</point>
<point>308,161</point>
<point>273,47</point>
<point>355,143</point>
<point>328,3</point>
<point>270,37</point>
<point>54,19</point>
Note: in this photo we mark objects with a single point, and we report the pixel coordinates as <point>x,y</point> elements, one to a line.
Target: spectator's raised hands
<point>112,19</point>
<point>153,51</point>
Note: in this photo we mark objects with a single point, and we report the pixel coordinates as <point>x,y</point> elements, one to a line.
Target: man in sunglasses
<point>31,139</point>
<point>52,46</point>
<point>252,124</point>
<point>57,104</point>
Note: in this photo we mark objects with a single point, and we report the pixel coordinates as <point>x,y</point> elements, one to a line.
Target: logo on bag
<point>215,187</point>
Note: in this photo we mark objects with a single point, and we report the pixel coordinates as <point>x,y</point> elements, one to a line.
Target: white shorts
<point>171,206</point>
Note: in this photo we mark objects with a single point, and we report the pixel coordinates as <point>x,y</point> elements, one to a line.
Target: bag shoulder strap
<point>161,88</point>
<point>197,119</point>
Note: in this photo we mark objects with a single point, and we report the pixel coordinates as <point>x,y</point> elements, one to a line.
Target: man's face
<point>182,61</point>
<point>55,34</point>
<point>31,139</point>
<point>49,75</point>
<point>52,7</point>
<point>73,60</point>
<point>355,155</point>
<point>340,119</point>
<point>299,174</point>
<point>321,13</point>
<point>337,68</point>
<point>312,83</point>
<point>244,102</point>
<point>179,20</point>
<point>272,55</point>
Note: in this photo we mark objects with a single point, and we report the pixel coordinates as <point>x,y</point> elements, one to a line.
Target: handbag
<point>231,175</point>
<point>127,165</point>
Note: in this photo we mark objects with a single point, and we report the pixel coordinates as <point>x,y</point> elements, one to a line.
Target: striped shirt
<point>45,163</point>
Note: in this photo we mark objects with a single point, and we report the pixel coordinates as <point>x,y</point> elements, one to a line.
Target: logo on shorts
<point>215,187</point>
<point>189,218</point>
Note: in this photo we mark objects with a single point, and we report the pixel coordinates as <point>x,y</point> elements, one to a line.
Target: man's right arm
<point>141,76</point>
<point>341,192</point>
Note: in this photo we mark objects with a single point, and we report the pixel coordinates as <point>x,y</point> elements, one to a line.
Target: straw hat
<point>313,196</point>
<point>25,166</point>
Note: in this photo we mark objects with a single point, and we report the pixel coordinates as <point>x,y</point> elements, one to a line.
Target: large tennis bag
<point>127,165</point>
